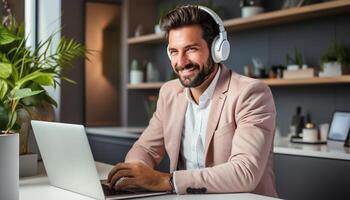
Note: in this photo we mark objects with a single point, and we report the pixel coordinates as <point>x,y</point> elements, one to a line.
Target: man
<point>216,126</point>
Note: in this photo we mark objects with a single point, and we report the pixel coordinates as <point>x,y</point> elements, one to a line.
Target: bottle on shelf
<point>297,124</point>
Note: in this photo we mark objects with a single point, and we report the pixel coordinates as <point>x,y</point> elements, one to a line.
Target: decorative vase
<point>9,166</point>
<point>136,76</point>
<point>249,11</point>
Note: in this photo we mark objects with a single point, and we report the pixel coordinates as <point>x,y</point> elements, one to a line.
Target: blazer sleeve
<point>149,148</point>
<point>251,145</point>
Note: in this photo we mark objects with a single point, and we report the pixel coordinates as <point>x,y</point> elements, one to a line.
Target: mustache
<point>187,66</point>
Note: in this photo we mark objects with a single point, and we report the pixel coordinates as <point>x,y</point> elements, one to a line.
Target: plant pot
<point>9,166</point>
<point>28,164</point>
<point>249,11</point>
<point>331,69</point>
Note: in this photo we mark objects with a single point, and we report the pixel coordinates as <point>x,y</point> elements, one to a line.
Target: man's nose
<point>182,60</point>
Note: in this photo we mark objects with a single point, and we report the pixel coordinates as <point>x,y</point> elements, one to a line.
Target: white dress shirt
<point>195,126</point>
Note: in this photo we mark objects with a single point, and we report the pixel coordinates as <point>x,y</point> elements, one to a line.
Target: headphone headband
<point>215,16</point>
<point>220,47</point>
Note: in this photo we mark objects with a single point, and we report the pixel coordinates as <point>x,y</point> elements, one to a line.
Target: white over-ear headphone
<point>220,47</point>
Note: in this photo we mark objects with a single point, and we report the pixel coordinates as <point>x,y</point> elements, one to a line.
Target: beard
<point>198,78</point>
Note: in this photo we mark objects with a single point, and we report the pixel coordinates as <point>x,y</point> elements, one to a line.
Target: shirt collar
<point>208,93</point>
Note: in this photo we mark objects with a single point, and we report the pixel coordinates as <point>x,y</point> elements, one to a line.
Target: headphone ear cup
<point>215,50</point>
<point>167,51</point>
<point>225,49</point>
<point>220,49</point>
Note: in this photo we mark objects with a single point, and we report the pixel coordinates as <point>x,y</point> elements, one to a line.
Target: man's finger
<point>119,175</point>
<point>116,168</point>
<point>125,182</point>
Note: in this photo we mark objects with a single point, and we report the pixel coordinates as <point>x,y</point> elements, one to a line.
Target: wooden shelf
<point>147,39</point>
<point>270,82</point>
<point>288,15</point>
<point>141,86</point>
<point>308,81</point>
<point>266,19</point>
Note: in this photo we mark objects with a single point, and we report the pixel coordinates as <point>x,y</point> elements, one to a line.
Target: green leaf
<point>6,37</point>
<point>3,89</point>
<point>29,77</point>
<point>12,120</point>
<point>21,30</point>
<point>5,70</point>
<point>17,94</point>
<point>32,100</point>
<point>45,79</point>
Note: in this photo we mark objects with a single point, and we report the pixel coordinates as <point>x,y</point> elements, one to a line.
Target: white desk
<point>331,150</point>
<point>37,188</point>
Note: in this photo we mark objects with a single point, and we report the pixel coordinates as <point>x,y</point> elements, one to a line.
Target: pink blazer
<point>239,137</point>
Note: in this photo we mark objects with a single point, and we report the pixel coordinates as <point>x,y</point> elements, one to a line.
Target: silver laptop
<point>69,162</point>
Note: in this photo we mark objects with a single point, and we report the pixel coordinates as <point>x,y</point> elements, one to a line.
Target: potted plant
<point>295,62</point>
<point>296,68</point>
<point>336,61</point>
<point>23,75</point>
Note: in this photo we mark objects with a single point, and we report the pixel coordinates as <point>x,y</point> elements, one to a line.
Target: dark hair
<point>190,15</point>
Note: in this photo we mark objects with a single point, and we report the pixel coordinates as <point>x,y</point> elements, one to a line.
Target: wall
<point>103,68</point>
<point>72,95</point>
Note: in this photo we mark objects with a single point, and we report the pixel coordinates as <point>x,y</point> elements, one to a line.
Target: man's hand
<point>139,175</point>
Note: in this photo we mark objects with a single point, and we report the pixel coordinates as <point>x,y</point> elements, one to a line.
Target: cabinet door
<point>299,177</point>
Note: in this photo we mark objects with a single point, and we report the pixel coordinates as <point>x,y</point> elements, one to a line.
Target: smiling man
<point>216,126</point>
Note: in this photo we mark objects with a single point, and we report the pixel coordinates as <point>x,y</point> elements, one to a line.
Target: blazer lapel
<point>177,129</point>
<point>217,105</point>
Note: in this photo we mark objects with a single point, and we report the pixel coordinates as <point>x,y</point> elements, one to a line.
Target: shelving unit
<point>270,82</point>
<point>145,46</point>
<point>266,19</point>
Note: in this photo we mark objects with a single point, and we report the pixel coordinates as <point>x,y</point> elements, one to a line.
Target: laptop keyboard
<point>111,191</point>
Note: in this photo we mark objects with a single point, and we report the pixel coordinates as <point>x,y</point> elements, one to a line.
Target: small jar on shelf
<point>136,73</point>
<point>251,7</point>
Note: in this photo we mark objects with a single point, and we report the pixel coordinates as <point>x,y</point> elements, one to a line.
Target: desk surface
<point>33,188</point>
<point>331,150</point>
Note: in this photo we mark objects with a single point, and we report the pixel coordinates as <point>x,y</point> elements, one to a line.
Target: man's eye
<point>172,53</point>
<point>192,49</point>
